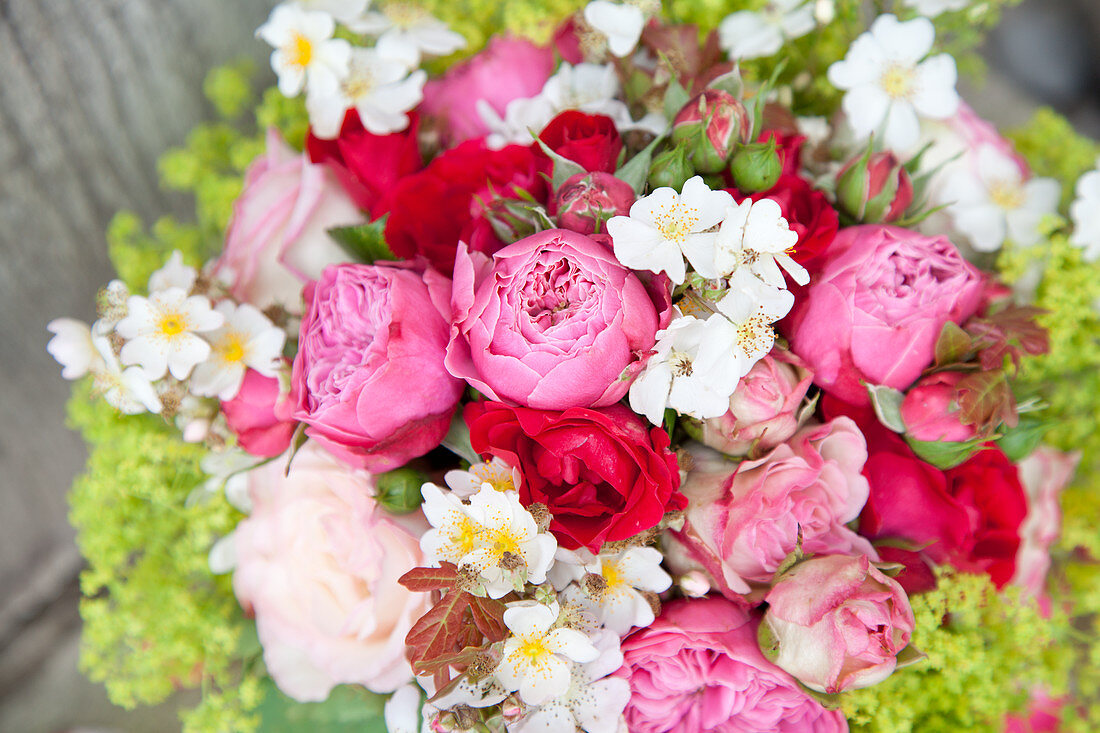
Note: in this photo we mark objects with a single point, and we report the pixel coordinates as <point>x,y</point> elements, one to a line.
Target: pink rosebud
<point>874,188</point>
<point>744,519</point>
<point>588,199</point>
<point>836,623</point>
<point>369,379</point>
<point>277,239</point>
<point>258,417</point>
<point>930,410</point>
<point>711,125</point>
<point>509,68</point>
<point>1044,475</point>
<point>765,410</point>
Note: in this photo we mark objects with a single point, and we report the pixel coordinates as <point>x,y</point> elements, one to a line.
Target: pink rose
<point>259,416</point>
<point>874,312</point>
<point>509,68</point>
<point>836,623</point>
<point>1043,715</point>
<point>743,519</point>
<point>1044,474</point>
<point>318,563</point>
<point>765,410</point>
<point>277,238</point>
<point>698,668</point>
<point>930,410</point>
<point>551,322</point>
<point>368,379</point>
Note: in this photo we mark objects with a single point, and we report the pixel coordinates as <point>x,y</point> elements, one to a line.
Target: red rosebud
<point>930,410</point>
<point>585,199</point>
<point>711,125</point>
<point>589,140</point>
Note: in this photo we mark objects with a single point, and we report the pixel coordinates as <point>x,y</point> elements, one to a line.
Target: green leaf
<point>675,98</point>
<point>910,655</point>
<point>1020,441</point>
<point>887,404</point>
<point>729,82</point>
<point>636,171</point>
<point>366,242</point>
<point>564,168</point>
<point>945,454</point>
<point>348,709</point>
<point>953,345</point>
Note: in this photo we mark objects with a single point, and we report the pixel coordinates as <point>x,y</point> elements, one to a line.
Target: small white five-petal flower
<point>305,51</point>
<point>753,236</point>
<point>752,306</point>
<point>72,347</point>
<point>407,25</point>
<point>162,332</point>
<point>247,340</point>
<point>537,656</point>
<point>1085,213</point>
<point>615,593</point>
<point>174,274</point>
<point>750,34</point>
<point>496,473</point>
<point>128,390</point>
<point>888,85</point>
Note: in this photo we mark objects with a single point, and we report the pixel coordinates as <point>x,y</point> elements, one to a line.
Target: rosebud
<point>756,167</point>
<point>399,490</point>
<point>874,187</point>
<point>930,411</point>
<point>836,623</point>
<point>710,126</point>
<point>587,200</point>
<point>671,168</point>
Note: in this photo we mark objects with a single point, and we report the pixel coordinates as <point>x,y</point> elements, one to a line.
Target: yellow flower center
<point>499,478</point>
<point>506,541</point>
<point>299,51</point>
<point>404,15</point>
<point>1006,195</point>
<point>533,650</point>
<point>172,324</point>
<point>611,574</point>
<point>897,82</point>
<point>464,533</point>
<point>231,348</point>
<point>677,222</point>
<point>359,84</point>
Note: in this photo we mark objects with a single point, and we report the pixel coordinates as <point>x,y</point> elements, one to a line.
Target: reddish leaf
<point>460,660</point>
<point>428,579</point>
<point>489,617</point>
<point>1009,333</point>
<point>953,345</point>
<point>437,632</point>
<point>986,401</point>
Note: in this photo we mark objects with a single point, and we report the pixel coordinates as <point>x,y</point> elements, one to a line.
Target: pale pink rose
<point>836,623</point>
<point>509,68</point>
<point>743,519</point>
<point>955,142</point>
<point>930,410</point>
<point>765,410</point>
<point>698,668</point>
<point>368,380</point>
<point>317,563</point>
<point>1043,474</point>
<point>874,312</point>
<point>277,239</point>
<point>552,321</point>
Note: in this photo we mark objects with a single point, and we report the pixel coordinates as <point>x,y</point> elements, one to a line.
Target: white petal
<point>935,81</point>
<point>866,107</point>
<point>902,126</point>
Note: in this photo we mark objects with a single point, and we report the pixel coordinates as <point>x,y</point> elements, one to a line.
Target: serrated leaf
<point>953,345</point>
<point>428,579</point>
<point>945,454</point>
<point>564,168</point>
<point>458,659</point>
<point>986,400</point>
<point>366,243</point>
<point>437,632</point>
<point>488,615</point>
<point>887,403</point>
<point>636,171</point>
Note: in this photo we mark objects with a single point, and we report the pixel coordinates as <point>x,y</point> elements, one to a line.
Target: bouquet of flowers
<point>549,366</point>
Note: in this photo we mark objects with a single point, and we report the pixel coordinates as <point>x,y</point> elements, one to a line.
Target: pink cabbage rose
<point>930,410</point>
<point>317,563</point>
<point>509,68</point>
<point>874,312</point>
<point>698,668</point>
<point>1043,715</point>
<point>836,623</point>
<point>765,410</point>
<point>368,379</point>
<point>1044,474</point>
<point>259,416</point>
<point>743,519</point>
<point>551,322</point>
<point>277,238</point>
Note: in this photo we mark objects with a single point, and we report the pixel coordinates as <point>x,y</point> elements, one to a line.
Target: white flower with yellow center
<point>410,26</point>
<point>932,8</point>
<point>72,347</point>
<point>996,203</point>
<point>378,87</point>
<point>343,11</point>
<point>1085,213</point>
<point>174,274</point>
<point>664,224</point>
<point>305,51</point>
<point>754,236</point>
<point>614,584</point>
<point>621,23</point>
<point>537,656</point>
<point>248,340</point>
<point>694,370</point>
<point>128,390</point>
<point>751,34</point>
<point>889,87</point>
<point>491,535</point>
<point>496,473</point>
<point>752,306</point>
<point>162,332</point>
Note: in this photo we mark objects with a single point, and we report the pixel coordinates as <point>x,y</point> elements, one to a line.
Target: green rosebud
<point>874,187</point>
<point>671,168</point>
<point>756,167</point>
<point>399,490</point>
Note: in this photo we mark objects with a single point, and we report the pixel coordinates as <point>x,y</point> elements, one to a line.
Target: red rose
<point>604,475</point>
<point>446,202</point>
<point>368,165</point>
<point>590,140</point>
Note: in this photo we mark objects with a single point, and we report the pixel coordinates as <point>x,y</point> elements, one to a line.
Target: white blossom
<point>694,371</point>
<point>932,8</point>
<point>890,85</point>
<point>1085,213</point>
<point>343,11</point>
<point>174,274</point>
<point>753,235</point>
<point>162,332</point>
<point>496,473</point>
<point>72,347</point>
<point>407,25</point>
<point>615,595</point>
<point>996,203</point>
<point>750,34</point>
<point>537,655</point>
<point>130,391</point>
<point>402,710</point>
<point>664,224</point>
<point>752,306</point>
<point>247,340</point>
<point>305,51</point>
<point>620,23</point>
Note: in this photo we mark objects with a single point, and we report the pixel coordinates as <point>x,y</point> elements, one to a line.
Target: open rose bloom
<point>559,377</point>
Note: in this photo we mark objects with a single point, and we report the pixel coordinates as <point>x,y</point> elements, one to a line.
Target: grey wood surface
<point>91,92</point>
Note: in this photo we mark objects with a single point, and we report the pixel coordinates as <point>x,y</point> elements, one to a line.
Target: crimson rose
<point>591,141</point>
<point>604,475</point>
